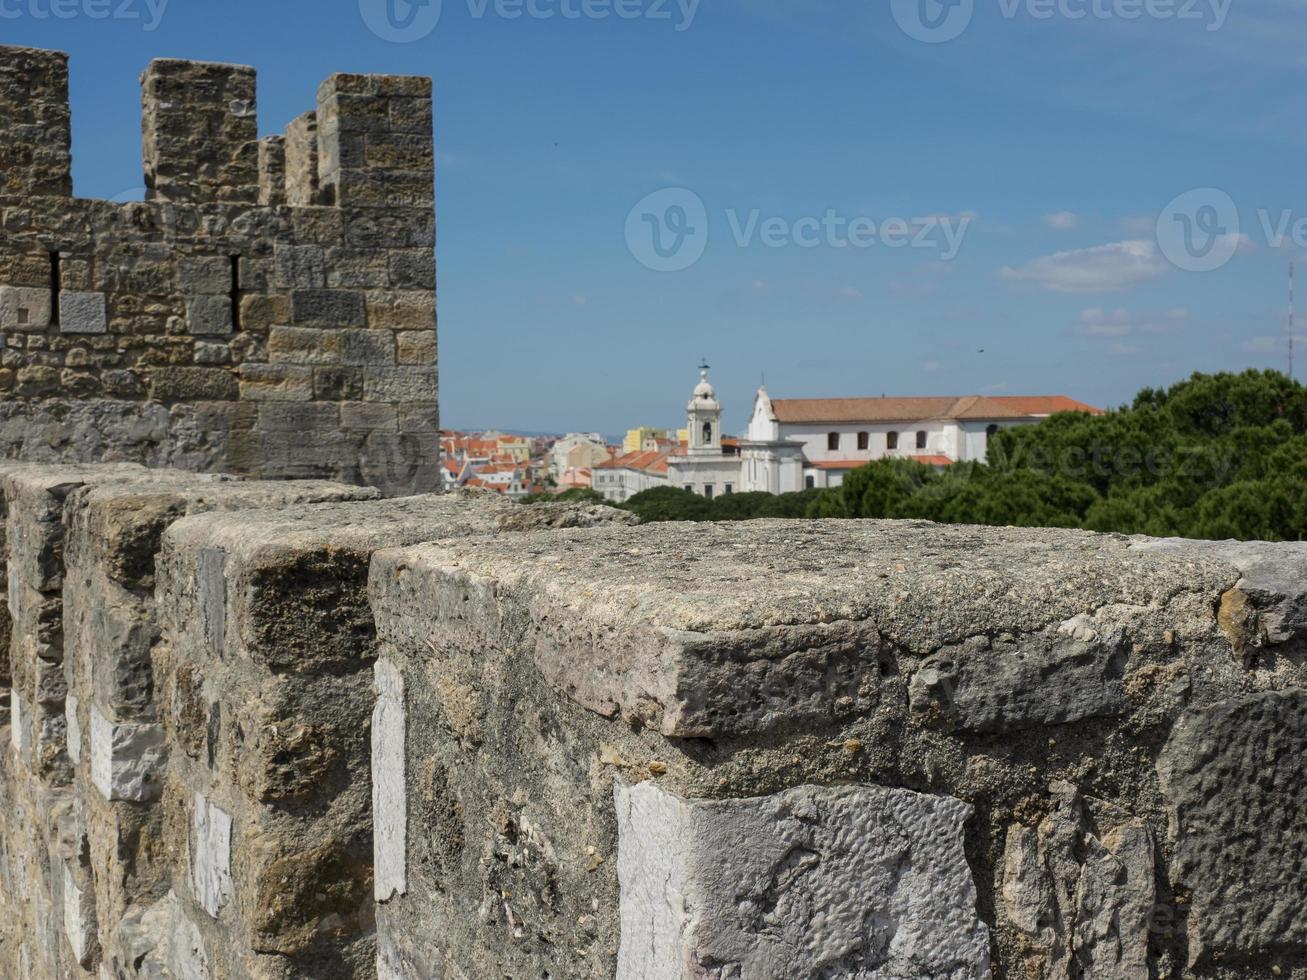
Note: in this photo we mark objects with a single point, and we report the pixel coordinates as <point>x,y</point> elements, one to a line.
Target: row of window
<point>891,440</point>
<point>709,490</point>
<point>864,441</point>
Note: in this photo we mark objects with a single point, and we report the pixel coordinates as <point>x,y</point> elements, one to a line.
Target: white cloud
<point>1062,220</point>
<point>1123,350</point>
<point>760,286</point>
<point>1098,322</point>
<point>1102,269</point>
<point>932,366</point>
<point>849,292</point>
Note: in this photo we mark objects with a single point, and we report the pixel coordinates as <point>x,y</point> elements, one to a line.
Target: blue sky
<point>1053,141</point>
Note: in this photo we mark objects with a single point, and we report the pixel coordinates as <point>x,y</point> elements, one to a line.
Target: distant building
<point>622,478</point>
<point>644,439</point>
<point>577,450</point>
<point>704,466</point>
<point>793,444</point>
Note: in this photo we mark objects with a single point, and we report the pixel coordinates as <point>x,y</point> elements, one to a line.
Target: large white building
<point>804,443</point>
<point>796,443</point>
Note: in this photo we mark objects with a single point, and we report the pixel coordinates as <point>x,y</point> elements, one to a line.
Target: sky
<point>906,197</point>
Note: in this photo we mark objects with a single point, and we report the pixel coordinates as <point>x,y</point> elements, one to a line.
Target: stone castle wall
<point>288,730</point>
<point>268,310</point>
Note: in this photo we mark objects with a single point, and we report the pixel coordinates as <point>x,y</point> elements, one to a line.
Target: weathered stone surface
<point>165,944</point>
<point>986,686</point>
<point>389,789</point>
<point>82,313</point>
<point>850,882</point>
<point>209,316</point>
<point>24,308</point>
<point>79,921</point>
<point>789,627</point>
<point>1274,578</point>
<point>1235,776</point>
<point>211,867</point>
<point>126,760</point>
<point>1080,890</point>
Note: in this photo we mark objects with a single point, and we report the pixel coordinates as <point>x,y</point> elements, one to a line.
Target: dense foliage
<point>1217,456</point>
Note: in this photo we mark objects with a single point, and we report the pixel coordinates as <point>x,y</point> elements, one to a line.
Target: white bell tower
<point>705,419</point>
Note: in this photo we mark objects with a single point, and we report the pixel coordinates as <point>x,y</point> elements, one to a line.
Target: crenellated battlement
<point>268,310</point>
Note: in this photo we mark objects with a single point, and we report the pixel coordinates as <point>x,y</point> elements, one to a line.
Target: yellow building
<point>643,439</point>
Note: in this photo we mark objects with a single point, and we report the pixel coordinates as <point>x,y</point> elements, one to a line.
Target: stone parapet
<point>282,731</point>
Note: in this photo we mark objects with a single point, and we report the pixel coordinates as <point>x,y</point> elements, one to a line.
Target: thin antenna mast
<point>1291,320</point>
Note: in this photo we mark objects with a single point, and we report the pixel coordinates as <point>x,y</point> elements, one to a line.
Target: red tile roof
<point>934,460</point>
<point>650,460</point>
<point>873,410</point>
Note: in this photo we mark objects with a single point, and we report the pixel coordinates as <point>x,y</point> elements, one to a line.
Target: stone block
<point>79,921</point>
<point>1079,890</point>
<point>24,308</point>
<point>986,686</point>
<point>301,267</point>
<point>211,861</point>
<point>367,348</point>
<point>72,709</point>
<point>1235,776</point>
<point>276,382</point>
<point>328,308</point>
<point>399,384</point>
<point>417,347</point>
<point>204,274</point>
<point>127,761</point>
<point>389,790</point>
<point>211,578</point>
<point>83,313</point>
<point>304,345</point>
<point>208,316</point>
<point>194,384</point>
<point>849,881</point>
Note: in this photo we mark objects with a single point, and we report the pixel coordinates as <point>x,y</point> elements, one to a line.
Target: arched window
<point>707,433</point>
<point>891,441</point>
<point>832,442</point>
<point>864,441</point>
<point>921,440</point>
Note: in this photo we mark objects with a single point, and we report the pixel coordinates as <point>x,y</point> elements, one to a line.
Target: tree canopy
<point>1216,456</point>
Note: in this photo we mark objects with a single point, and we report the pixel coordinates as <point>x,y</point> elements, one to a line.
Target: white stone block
<point>857,881</point>
<point>389,793</point>
<point>127,761</point>
<point>13,591</point>
<point>20,734</point>
<point>211,864</point>
<point>83,313</point>
<point>24,308</point>
<point>71,706</point>
<point>79,921</point>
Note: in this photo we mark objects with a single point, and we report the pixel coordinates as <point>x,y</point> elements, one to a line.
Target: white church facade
<point>805,443</point>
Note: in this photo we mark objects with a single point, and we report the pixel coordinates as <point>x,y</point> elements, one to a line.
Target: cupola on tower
<point>705,418</point>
